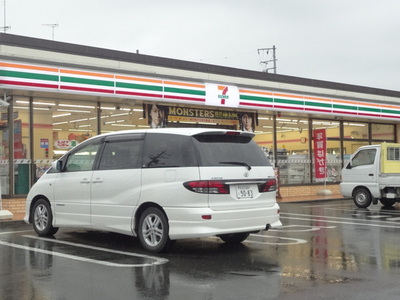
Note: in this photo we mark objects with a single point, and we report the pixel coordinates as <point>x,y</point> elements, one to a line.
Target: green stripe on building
<point>387,111</point>
<point>139,86</point>
<point>361,108</point>
<point>318,104</point>
<point>339,106</point>
<point>184,91</point>
<point>25,75</point>
<point>87,81</point>
<point>256,98</point>
<point>289,101</point>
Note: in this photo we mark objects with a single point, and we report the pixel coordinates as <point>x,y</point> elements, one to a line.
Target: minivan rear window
<point>217,150</point>
<point>168,150</point>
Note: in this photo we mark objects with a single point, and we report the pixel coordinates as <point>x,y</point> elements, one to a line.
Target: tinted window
<point>168,150</point>
<point>121,154</point>
<point>83,158</point>
<point>217,150</point>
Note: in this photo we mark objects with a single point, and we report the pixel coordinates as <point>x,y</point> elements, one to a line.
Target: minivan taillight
<point>207,187</point>
<point>232,133</point>
<point>268,186</point>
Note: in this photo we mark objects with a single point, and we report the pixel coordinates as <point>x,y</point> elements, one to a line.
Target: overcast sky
<point>347,41</point>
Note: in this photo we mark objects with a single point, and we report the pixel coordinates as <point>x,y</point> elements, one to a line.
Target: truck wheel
<point>153,230</point>
<point>387,202</point>
<point>362,198</point>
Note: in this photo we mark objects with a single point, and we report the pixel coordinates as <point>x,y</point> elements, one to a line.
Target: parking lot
<point>328,249</point>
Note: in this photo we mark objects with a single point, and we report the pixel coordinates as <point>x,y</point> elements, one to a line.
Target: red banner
<point>319,137</point>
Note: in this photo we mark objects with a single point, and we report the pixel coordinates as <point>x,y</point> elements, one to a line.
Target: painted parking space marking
<point>339,220</point>
<point>12,232</point>
<point>282,240</point>
<point>393,219</point>
<point>155,260</point>
<point>301,228</point>
<point>330,205</point>
<point>376,217</point>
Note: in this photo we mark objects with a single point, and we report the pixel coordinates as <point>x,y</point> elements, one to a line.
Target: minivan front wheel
<point>43,218</point>
<point>153,230</point>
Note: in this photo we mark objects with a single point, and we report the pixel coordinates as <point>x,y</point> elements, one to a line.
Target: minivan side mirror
<point>57,165</point>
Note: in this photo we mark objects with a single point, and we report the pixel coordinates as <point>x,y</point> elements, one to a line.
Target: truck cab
<point>372,175</point>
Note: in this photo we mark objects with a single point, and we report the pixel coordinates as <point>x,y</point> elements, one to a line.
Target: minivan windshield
<point>225,150</point>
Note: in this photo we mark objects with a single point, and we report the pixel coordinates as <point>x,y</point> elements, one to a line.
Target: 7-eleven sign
<point>222,95</point>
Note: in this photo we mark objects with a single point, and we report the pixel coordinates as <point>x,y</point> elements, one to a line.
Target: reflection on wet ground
<point>329,250</point>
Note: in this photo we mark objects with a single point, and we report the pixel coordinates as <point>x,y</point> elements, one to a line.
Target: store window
<point>123,116</point>
<point>383,132</point>
<point>264,134</point>
<point>21,136</point>
<point>4,153</point>
<point>59,125</point>
<point>355,131</point>
<point>293,161</point>
<point>357,135</point>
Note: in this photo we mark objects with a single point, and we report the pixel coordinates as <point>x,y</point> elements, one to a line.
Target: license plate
<point>244,192</point>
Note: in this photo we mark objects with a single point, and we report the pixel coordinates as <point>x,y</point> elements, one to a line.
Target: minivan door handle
<point>98,180</point>
<point>85,180</point>
<point>370,174</point>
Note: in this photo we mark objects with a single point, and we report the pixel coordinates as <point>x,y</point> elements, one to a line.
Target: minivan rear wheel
<point>42,218</point>
<point>153,230</point>
<point>234,238</point>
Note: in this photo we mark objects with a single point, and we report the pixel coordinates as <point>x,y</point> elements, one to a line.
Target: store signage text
<point>319,136</point>
<point>201,113</point>
<point>65,144</point>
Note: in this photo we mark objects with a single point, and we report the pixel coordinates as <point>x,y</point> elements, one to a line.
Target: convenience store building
<point>54,95</point>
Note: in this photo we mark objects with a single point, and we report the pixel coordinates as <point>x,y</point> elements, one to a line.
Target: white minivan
<point>159,185</point>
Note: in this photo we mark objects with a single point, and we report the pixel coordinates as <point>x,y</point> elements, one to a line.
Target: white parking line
<point>329,205</point>
<point>376,217</point>
<point>338,220</point>
<point>307,228</point>
<point>157,260</point>
<point>291,241</point>
<point>12,232</point>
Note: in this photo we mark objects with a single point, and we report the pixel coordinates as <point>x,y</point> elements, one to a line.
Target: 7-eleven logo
<point>223,96</point>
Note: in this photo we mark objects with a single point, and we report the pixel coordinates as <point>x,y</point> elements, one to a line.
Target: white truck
<point>373,174</point>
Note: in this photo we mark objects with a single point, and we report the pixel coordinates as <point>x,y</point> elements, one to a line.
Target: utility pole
<point>265,58</point>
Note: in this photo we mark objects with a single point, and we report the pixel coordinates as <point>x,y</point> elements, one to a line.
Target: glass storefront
<point>292,135</point>
<point>44,129</point>
<point>4,154</point>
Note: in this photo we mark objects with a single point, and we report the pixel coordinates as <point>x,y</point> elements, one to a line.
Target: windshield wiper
<point>239,163</point>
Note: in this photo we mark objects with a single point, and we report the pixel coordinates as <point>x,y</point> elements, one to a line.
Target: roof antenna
<point>52,28</point>
<point>5,27</point>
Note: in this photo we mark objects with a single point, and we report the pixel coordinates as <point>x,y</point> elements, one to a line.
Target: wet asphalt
<point>325,250</point>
